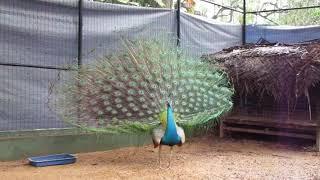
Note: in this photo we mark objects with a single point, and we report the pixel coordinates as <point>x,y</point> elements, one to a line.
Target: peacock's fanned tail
<point>127,92</point>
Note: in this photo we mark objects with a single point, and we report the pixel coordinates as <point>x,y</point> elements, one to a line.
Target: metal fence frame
<point>244,13</point>
<point>178,33</point>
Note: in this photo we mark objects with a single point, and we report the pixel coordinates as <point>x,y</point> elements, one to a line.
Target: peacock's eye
<point>131,91</point>
<point>132,84</point>
<point>124,109</point>
<point>188,87</point>
<point>118,100</point>
<point>163,92</point>
<point>93,102</point>
<point>159,80</point>
<point>136,77</point>
<point>117,93</point>
<point>135,109</point>
<point>119,106</point>
<point>105,97</point>
<point>108,108</point>
<point>143,84</point>
<point>107,88</point>
<point>142,99</point>
<point>130,98</point>
<point>141,92</point>
<point>120,84</point>
<point>125,77</point>
<point>154,86</point>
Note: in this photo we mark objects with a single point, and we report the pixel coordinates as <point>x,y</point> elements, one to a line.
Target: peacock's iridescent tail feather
<point>127,92</point>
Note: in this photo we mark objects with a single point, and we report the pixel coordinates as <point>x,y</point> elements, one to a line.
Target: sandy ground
<point>200,158</point>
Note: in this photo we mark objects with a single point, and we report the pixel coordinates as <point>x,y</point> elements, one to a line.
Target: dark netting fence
<point>41,39</point>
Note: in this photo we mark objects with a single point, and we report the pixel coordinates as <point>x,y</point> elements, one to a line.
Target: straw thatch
<point>283,71</point>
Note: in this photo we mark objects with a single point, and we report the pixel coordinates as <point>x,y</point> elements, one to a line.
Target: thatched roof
<point>282,71</point>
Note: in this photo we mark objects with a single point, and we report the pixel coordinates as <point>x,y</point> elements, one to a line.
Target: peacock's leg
<point>171,147</point>
<point>160,155</point>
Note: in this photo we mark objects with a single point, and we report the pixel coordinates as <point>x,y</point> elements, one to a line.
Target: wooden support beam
<point>318,139</point>
<point>221,133</point>
<point>270,132</point>
<point>268,126</point>
<point>301,126</point>
<point>263,120</point>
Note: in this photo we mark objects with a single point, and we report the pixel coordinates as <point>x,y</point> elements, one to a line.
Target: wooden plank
<point>269,120</point>
<point>270,124</point>
<point>270,132</point>
<point>272,119</point>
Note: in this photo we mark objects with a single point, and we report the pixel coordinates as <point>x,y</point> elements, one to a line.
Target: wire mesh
<point>39,40</point>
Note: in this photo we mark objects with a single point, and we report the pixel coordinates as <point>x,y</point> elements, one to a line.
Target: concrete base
<point>20,145</point>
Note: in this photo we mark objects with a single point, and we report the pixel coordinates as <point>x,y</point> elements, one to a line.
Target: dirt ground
<point>200,158</point>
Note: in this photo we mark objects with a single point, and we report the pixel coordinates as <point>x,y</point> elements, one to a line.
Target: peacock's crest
<point>128,91</point>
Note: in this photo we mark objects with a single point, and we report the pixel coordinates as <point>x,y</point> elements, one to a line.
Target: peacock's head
<point>169,104</point>
<point>164,113</point>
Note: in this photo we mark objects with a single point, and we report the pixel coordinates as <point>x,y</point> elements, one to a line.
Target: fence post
<point>80,32</point>
<point>244,23</point>
<point>79,48</point>
<point>178,22</point>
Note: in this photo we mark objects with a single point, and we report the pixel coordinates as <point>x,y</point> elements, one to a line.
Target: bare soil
<point>200,158</point>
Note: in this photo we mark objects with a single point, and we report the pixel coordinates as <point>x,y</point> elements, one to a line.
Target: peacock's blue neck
<point>171,136</point>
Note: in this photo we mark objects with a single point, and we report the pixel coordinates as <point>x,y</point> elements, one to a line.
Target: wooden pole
<point>221,132</point>
<point>318,140</point>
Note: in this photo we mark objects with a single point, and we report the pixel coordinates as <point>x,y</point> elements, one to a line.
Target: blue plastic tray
<point>52,160</point>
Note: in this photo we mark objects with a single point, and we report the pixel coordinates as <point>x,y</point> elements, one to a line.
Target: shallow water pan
<point>52,160</point>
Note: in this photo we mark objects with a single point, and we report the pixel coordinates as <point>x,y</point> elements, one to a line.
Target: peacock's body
<point>130,92</point>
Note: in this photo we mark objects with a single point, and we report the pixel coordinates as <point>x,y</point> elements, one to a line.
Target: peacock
<point>169,134</point>
<point>150,86</point>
